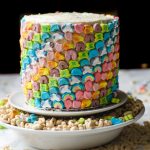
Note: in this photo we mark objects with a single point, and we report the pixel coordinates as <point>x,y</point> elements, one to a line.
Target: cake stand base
<point>18,101</point>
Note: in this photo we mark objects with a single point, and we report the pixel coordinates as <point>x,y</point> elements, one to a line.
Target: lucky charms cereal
<point>69,60</point>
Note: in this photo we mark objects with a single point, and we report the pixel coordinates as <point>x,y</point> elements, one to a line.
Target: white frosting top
<point>66,17</point>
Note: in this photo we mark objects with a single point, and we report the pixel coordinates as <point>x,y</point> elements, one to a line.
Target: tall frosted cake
<point>69,61</point>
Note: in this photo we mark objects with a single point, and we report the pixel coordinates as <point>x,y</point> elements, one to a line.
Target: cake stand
<point>18,101</point>
<point>78,139</point>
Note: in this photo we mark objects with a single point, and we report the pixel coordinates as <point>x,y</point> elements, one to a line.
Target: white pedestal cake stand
<point>80,139</point>
<point>18,101</point>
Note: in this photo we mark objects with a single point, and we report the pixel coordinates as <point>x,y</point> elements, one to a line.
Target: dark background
<point>133,19</point>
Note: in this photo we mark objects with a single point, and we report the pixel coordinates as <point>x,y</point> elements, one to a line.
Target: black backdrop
<point>134,28</point>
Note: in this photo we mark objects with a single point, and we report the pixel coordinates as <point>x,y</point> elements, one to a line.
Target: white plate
<point>81,139</point>
<point>17,100</point>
